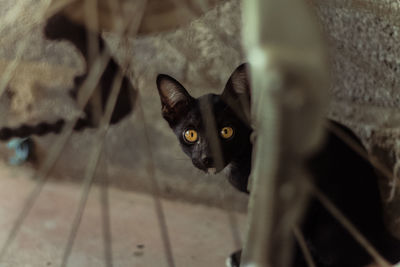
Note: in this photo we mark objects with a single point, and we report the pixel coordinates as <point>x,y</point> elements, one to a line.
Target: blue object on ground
<point>22,147</point>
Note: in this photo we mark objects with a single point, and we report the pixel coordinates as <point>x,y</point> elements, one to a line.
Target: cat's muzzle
<point>207,165</point>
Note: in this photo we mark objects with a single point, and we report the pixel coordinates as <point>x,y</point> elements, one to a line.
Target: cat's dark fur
<point>184,112</point>
<point>341,174</point>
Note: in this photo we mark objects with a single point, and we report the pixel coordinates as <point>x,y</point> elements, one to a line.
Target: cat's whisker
<point>207,146</point>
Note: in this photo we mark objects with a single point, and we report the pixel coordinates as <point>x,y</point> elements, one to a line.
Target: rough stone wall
<point>364,40</point>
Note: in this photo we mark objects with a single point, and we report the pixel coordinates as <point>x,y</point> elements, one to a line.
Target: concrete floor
<point>200,235</point>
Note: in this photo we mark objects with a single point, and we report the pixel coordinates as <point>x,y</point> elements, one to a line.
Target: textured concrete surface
<point>199,235</point>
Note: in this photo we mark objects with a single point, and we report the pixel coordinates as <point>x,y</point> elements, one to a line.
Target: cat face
<point>213,130</point>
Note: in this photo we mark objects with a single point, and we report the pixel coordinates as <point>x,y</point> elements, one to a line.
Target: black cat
<point>340,173</point>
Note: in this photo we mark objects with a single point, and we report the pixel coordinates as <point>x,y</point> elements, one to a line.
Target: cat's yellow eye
<point>190,136</point>
<point>227,132</point>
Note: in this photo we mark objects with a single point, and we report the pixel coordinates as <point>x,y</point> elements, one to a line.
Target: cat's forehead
<point>207,105</point>
<point>211,102</point>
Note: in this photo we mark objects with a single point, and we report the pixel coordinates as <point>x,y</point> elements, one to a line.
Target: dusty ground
<point>200,235</point>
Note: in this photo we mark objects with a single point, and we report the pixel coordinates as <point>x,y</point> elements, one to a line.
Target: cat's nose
<point>207,161</point>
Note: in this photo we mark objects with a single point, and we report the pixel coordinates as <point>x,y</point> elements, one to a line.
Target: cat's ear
<point>237,92</point>
<point>175,100</point>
